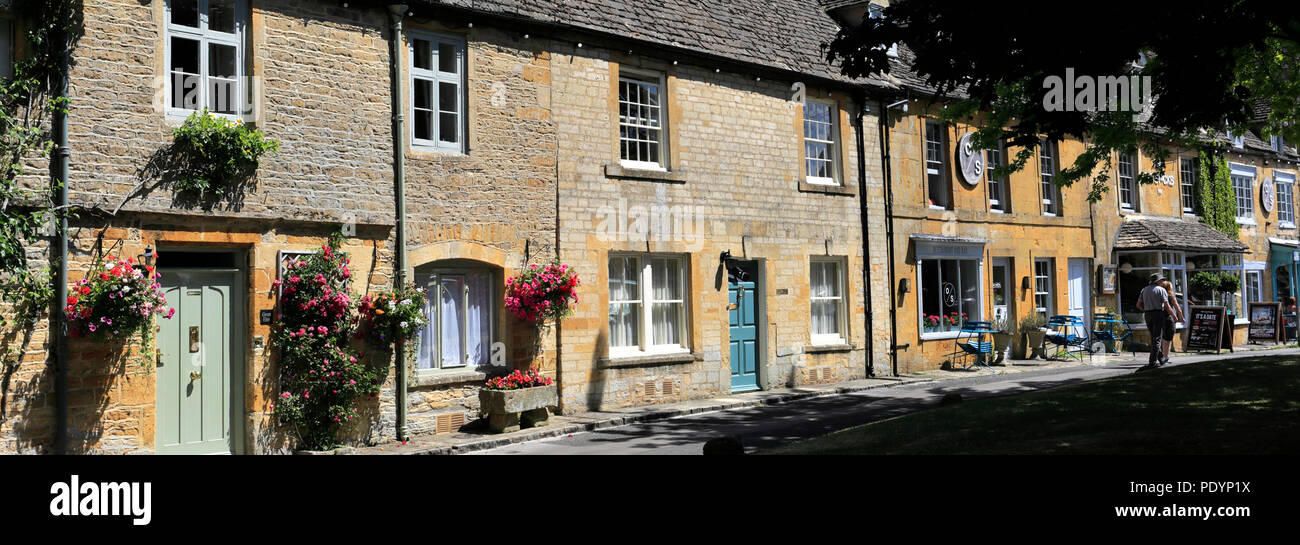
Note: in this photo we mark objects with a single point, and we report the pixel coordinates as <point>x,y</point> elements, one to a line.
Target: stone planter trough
<point>508,410</point>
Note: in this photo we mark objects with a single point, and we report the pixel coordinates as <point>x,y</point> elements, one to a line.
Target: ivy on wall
<point>27,106</point>
<point>1216,203</point>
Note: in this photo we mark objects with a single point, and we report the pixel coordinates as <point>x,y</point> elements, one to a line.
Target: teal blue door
<point>200,371</point>
<point>743,320</point>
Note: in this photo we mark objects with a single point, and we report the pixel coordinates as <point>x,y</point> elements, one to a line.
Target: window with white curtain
<point>460,308</point>
<point>437,101</point>
<point>647,304</point>
<point>936,165</point>
<point>827,299</point>
<point>205,56</point>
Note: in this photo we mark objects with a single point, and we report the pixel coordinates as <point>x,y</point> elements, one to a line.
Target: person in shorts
<point>1154,303</point>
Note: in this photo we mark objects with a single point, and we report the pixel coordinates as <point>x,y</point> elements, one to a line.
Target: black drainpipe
<point>397,11</point>
<point>866,228</point>
<point>59,177</point>
<point>889,232</point>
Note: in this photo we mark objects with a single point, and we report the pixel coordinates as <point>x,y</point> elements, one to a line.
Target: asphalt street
<point>771,425</point>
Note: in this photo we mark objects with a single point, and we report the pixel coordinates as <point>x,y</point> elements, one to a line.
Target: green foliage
<point>1207,283</point>
<point>1229,282</point>
<point>1033,320</point>
<point>27,106</point>
<point>215,152</point>
<point>390,316</point>
<point>1216,202</point>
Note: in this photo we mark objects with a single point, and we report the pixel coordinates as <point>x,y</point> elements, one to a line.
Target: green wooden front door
<point>200,373</point>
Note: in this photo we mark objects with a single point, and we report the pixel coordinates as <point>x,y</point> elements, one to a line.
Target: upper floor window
<point>1285,199</point>
<point>205,56</point>
<point>1278,143</point>
<point>1238,140</point>
<point>936,171</point>
<point>437,97</point>
<point>819,143</point>
<point>1187,170</point>
<point>827,288</point>
<point>6,48</point>
<point>647,304</point>
<point>999,188</point>
<point>641,122</point>
<point>1128,194</point>
<point>1047,167</point>
<point>1243,182</point>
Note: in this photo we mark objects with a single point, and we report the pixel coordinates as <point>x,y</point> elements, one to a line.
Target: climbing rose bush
<point>517,380</point>
<point>322,379</point>
<point>540,294</point>
<point>116,302</point>
<point>387,317</point>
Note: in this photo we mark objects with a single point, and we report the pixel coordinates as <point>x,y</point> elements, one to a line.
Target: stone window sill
<point>823,348</point>
<point>454,377</point>
<point>615,170</point>
<point>827,189</point>
<point>648,361</point>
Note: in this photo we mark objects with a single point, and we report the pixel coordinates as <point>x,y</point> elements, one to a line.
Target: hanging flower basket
<point>542,294</point>
<point>116,302</point>
<point>389,316</point>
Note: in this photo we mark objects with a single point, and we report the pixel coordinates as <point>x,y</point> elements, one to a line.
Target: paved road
<point>767,426</point>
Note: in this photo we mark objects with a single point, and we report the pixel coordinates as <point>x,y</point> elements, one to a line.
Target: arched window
<point>461,307</point>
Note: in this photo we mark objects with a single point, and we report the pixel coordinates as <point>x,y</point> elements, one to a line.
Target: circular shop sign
<point>970,159</point>
<point>1266,196</point>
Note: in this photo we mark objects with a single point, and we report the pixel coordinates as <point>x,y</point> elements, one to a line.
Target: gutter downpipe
<point>866,229</point>
<point>397,12</point>
<point>889,233</point>
<point>59,175</point>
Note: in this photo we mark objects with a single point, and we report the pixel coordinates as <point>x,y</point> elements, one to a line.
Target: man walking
<point>1154,301</point>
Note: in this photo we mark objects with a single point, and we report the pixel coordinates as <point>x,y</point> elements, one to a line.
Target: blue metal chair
<point>972,349</point>
<point>1068,336</point>
<point>1113,330</point>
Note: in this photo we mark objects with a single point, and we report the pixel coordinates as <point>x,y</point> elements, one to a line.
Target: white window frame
<point>1127,182</point>
<point>204,37</point>
<point>1048,168</point>
<point>437,77</point>
<point>645,325</point>
<point>1187,184</point>
<point>936,169</point>
<point>832,145</point>
<point>1049,308</point>
<point>433,286</point>
<point>1243,190</point>
<point>660,82</point>
<point>1285,185</point>
<point>920,303</point>
<point>1253,288</point>
<point>1278,143</point>
<point>1238,141</point>
<point>841,336</point>
<point>999,189</point>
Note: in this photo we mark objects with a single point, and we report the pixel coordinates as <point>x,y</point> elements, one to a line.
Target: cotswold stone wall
<point>736,159</point>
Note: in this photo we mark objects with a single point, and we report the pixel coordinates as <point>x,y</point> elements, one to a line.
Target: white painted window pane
<point>640,121</point>
<point>428,350</point>
<point>452,315</point>
<point>222,78</point>
<point>478,332</point>
<point>667,323</point>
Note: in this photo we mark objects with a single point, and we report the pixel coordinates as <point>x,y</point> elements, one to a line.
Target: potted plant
<point>1032,335</point>
<point>518,399</point>
<point>1003,331</point>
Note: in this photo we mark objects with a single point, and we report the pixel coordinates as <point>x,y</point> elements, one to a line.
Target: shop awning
<point>1159,234</point>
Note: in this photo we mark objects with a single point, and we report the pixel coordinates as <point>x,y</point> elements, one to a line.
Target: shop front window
<point>949,294</point>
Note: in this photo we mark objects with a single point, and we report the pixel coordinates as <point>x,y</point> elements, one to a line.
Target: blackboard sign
<point>1265,322</point>
<point>1205,330</point>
